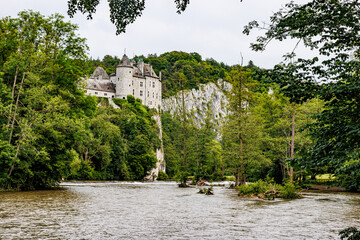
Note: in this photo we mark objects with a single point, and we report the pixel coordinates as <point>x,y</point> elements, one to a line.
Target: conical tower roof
<point>99,71</point>
<point>124,62</point>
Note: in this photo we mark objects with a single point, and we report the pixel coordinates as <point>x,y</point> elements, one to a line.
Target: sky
<point>212,28</point>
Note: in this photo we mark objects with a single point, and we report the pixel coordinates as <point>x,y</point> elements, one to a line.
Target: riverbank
<point>325,188</point>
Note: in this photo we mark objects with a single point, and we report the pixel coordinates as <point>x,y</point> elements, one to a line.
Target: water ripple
<point>123,210</point>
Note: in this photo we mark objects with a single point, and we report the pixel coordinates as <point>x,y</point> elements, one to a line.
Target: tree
<point>122,12</point>
<point>241,128</point>
<point>332,27</point>
<point>41,69</point>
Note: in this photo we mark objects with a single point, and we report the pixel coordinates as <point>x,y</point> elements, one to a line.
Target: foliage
<point>182,178</point>
<point>269,191</point>
<point>122,12</point>
<point>350,233</point>
<point>203,151</point>
<point>266,125</point>
<point>288,191</point>
<point>332,29</point>
<point>243,128</point>
<point>49,129</point>
<point>253,188</point>
<point>162,176</point>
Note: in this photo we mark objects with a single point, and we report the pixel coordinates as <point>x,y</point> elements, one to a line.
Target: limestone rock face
<point>207,101</point>
<point>160,164</point>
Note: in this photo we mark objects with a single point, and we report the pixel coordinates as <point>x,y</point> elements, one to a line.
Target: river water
<point>120,210</point>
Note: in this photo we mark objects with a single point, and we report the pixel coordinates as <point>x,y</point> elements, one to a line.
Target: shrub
<point>162,176</point>
<point>269,191</point>
<point>288,191</point>
<point>130,98</point>
<point>350,233</point>
<point>256,188</point>
<point>183,176</point>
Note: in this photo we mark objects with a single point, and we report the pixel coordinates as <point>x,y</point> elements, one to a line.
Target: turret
<point>123,78</point>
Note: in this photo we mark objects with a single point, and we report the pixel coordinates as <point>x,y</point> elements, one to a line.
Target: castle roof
<point>149,71</point>
<point>99,71</point>
<point>124,62</point>
<point>106,85</point>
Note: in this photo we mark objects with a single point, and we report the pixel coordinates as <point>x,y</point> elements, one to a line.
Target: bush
<point>288,191</point>
<point>256,188</point>
<point>350,233</point>
<point>162,176</point>
<point>130,98</point>
<point>182,177</point>
<point>120,102</point>
<point>269,191</point>
<point>85,171</point>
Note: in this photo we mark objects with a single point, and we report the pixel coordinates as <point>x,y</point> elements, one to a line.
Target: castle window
<point>153,84</point>
<point>132,83</point>
<point>94,86</point>
<point>141,93</point>
<point>123,97</point>
<point>95,93</point>
<point>134,92</point>
<point>105,94</point>
<point>153,95</point>
<point>156,96</point>
<point>129,71</point>
<point>141,84</point>
<point>148,93</point>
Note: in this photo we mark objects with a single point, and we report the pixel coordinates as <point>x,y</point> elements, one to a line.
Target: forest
<point>290,123</point>
<point>49,129</point>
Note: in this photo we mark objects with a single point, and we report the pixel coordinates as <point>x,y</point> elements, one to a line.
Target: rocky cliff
<point>207,101</point>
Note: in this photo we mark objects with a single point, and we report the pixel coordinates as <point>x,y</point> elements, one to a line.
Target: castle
<point>129,78</point>
<point>138,80</point>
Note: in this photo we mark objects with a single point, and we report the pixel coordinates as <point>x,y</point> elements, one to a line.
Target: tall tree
<point>42,68</point>
<point>332,27</point>
<point>237,130</point>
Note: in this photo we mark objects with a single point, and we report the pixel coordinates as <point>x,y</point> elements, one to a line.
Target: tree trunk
<point>237,176</point>
<point>17,153</point>
<point>292,144</point>
<point>17,103</point>
<point>184,119</point>
<point>240,132</point>
<point>197,152</point>
<point>241,162</point>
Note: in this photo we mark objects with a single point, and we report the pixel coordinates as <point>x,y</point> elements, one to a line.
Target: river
<point>125,210</point>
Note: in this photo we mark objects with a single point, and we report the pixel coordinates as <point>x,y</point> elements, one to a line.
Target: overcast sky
<point>213,28</point>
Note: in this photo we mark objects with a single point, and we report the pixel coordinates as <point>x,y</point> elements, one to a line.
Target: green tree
<point>42,68</point>
<point>241,128</point>
<point>332,28</point>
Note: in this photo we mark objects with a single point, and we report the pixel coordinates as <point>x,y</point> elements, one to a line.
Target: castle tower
<point>123,78</point>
